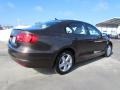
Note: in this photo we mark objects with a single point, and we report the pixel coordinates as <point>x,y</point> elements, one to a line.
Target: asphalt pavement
<point>97,74</point>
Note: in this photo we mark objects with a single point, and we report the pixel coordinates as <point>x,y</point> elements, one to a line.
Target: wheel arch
<point>63,50</point>
<point>110,43</point>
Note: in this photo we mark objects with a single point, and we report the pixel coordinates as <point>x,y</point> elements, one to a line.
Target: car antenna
<point>56,19</point>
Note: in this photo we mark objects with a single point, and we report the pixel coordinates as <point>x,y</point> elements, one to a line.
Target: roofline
<point>106,25</point>
<point>115,22</point>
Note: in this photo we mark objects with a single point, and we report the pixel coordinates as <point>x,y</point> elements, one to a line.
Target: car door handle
<point>75,38</point>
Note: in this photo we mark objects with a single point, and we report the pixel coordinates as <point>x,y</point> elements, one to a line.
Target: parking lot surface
<point>98,74</point>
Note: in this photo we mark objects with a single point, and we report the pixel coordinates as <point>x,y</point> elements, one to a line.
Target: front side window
<point>93,31</point>
<point>76,29</point>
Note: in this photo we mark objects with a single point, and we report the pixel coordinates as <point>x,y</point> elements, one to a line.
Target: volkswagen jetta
<point>57,44</point>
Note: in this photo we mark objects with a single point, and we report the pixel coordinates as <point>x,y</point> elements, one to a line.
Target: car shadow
<point>50,71</point>
<point>47,71</point>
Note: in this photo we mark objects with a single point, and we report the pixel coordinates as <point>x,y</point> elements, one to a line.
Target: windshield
<point>44,25</point>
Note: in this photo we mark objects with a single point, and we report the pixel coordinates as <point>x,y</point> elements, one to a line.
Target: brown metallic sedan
<point>57,44</point>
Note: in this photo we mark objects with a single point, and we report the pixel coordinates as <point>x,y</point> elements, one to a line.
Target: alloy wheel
<point>65,62</point>
<point>109,50</point>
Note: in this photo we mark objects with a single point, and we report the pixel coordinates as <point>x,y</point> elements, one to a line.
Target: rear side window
<point>76,28</point>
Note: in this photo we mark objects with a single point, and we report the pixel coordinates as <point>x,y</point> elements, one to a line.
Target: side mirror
<point>104,35</point>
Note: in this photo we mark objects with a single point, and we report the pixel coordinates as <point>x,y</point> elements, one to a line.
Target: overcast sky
<point>13,12</point>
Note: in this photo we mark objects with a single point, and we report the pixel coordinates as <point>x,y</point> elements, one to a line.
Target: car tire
<point>108,51</point>
<point>64,62</point>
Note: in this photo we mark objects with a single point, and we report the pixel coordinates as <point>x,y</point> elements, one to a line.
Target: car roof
<point>68,21</point>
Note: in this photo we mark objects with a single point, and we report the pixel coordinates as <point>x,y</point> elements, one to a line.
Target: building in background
<point>5,27</point>
<point>110,27</point>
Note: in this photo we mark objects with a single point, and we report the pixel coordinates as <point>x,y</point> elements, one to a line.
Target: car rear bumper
<point>32,60</point>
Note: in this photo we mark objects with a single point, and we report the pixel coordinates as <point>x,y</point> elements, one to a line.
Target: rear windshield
<point>40,25</point>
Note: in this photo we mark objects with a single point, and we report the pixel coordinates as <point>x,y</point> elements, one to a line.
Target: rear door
<point>95,35</point>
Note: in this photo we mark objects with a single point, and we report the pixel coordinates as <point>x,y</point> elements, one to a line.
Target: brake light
<point>27,37</point>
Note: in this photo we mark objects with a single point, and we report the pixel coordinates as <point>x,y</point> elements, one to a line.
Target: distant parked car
<point>1,28</point>
<point>117,36</point>
<point>57,44</point>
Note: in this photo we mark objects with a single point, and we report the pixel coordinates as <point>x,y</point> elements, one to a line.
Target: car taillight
<point>27,37</point>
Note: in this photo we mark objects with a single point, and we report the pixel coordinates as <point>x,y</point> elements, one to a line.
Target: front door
<point>95,35</point>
